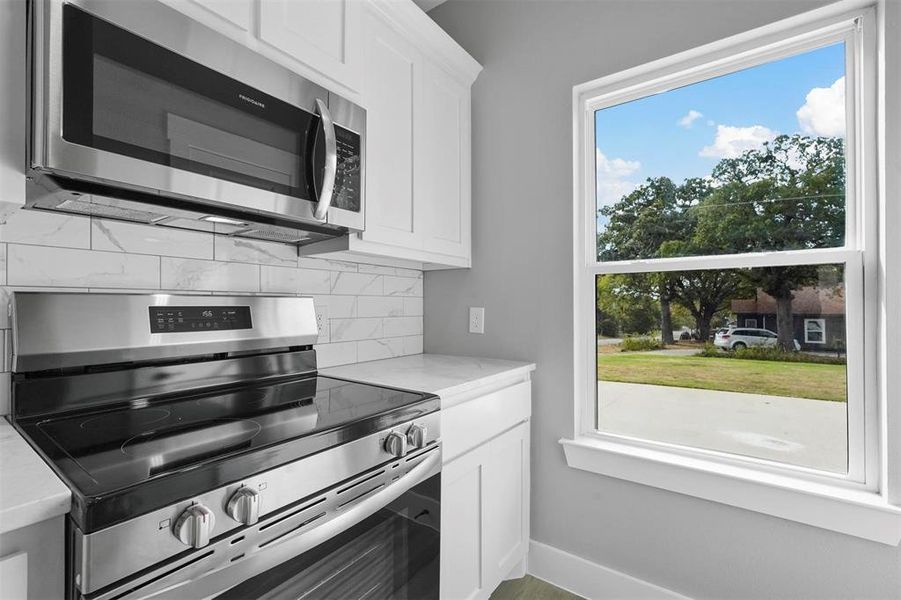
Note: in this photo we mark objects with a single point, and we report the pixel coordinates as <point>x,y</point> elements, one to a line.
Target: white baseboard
<point>590,580</point>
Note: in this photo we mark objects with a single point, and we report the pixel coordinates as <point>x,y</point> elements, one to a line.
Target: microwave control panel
<point>348,181</point>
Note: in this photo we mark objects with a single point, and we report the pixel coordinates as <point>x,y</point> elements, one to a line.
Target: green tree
<point>789,194</point>
<point>637,226</point>
<point>657,220</point>
<point>623,307</point>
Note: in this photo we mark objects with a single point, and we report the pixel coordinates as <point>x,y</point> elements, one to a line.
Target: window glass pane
<point>672,365</point>
<point>747,162</point>
<point>814,331</point>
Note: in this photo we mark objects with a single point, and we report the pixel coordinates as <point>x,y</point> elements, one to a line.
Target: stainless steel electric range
<point>207,459</point>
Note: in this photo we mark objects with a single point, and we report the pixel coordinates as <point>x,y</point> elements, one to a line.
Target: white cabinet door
<point>507,507</point>
<point>484,515</point>
<point>442,163</point>
<point>12,107</point>
<point>323,34</point>
<point>238,13</point>
<point>14,576</point>
<point>390,90</point>
<point>463,508</point>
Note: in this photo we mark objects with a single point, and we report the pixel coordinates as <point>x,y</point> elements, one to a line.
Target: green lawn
<point>800,380</point>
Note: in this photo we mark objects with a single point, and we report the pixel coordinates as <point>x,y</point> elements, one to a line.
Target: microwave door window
<point>226,151</point>
<point>148,103</point>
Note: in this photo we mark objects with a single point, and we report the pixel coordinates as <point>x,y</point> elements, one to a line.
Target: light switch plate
<point>476,319</point>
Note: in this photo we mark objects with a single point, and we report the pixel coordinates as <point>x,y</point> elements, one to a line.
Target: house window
<point>730,186</point>
<point>720,191</point>
<point>814,331</point>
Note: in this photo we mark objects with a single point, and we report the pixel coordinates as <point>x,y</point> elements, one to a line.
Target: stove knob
<point>194,526</point>
<point>417,436</point>
<point>396,444</point>
<point>244,506</point>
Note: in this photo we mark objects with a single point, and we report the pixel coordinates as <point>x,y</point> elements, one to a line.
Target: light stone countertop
<point>444,375</point>
<point>30,492</point>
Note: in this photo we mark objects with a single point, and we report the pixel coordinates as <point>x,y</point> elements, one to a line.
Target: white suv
<point>736,338</point>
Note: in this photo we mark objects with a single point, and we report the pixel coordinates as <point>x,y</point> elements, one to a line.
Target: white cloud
<point>823,112</point>
<point>613,177</point>
<point>689,119</point>
<point>732,142</point>
<point>711,122</point>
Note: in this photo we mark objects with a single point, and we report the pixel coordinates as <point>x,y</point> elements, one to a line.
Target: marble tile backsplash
<point>372,311</point>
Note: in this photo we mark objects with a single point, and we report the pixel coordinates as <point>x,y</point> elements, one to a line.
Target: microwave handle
<point>330,171</point>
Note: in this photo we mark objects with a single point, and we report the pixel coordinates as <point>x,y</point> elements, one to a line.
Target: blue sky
<point>684,132</point>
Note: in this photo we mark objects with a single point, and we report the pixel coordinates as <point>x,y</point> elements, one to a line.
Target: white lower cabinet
<point>32,564</point>
<point>464,560</point>
<point>507,507</point>
<point>14,576</point>
<point>485,497</point>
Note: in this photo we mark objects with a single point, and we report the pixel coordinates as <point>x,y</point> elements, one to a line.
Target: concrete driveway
<point>798,431</point>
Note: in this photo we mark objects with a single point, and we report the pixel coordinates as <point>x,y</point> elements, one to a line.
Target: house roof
<point>807,301</point>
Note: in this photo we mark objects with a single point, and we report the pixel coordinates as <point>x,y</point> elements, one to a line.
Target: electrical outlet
<point>322,323</point>
<point>476,319</point>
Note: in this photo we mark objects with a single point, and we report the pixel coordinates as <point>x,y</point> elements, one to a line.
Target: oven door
<point>376,536</point>
<point>391,555</point>
<point>192,120</point>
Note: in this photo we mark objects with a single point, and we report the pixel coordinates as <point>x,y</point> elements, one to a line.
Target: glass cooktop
<point>104,451</point>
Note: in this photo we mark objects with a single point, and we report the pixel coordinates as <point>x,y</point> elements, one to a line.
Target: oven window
<point>129,96</point>
<point>394,554</point>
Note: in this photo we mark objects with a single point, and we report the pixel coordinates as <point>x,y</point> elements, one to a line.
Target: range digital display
<point>178,319</point>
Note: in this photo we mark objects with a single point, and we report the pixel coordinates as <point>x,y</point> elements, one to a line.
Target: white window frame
<point>754,321</point>
<point>856,503</point>
<point>822,323</point>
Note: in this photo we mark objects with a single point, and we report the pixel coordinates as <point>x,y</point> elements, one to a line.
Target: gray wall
<point>533,53</point>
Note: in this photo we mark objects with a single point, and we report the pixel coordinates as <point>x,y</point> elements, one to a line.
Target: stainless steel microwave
<point>142,114</point>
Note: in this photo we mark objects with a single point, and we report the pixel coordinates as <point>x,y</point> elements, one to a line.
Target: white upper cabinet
<point>442,164</point>
<point>319,39</point>
<point>390,90</point>
<point>416,91</point>
<point>238,13</point>
<point>12,104</point>
<point>324,34</point>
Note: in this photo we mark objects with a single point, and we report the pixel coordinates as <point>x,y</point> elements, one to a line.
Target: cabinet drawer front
<point>471,423</point>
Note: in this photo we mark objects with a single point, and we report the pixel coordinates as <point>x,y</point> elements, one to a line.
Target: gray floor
<point>798,431</point>
<point>531,588</point>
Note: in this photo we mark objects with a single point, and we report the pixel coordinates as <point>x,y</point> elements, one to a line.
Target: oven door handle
<point>210,583</point>
<point>330,171</point>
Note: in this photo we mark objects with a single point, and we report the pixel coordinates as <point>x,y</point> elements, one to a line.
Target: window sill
<point>861,514</point>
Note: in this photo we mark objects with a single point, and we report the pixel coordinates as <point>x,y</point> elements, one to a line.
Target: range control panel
<point>176,319</point>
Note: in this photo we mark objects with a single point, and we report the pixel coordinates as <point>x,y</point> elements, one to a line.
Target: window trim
<point>805,494</point>
<point>754,321</point>
<point>822,331</point>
